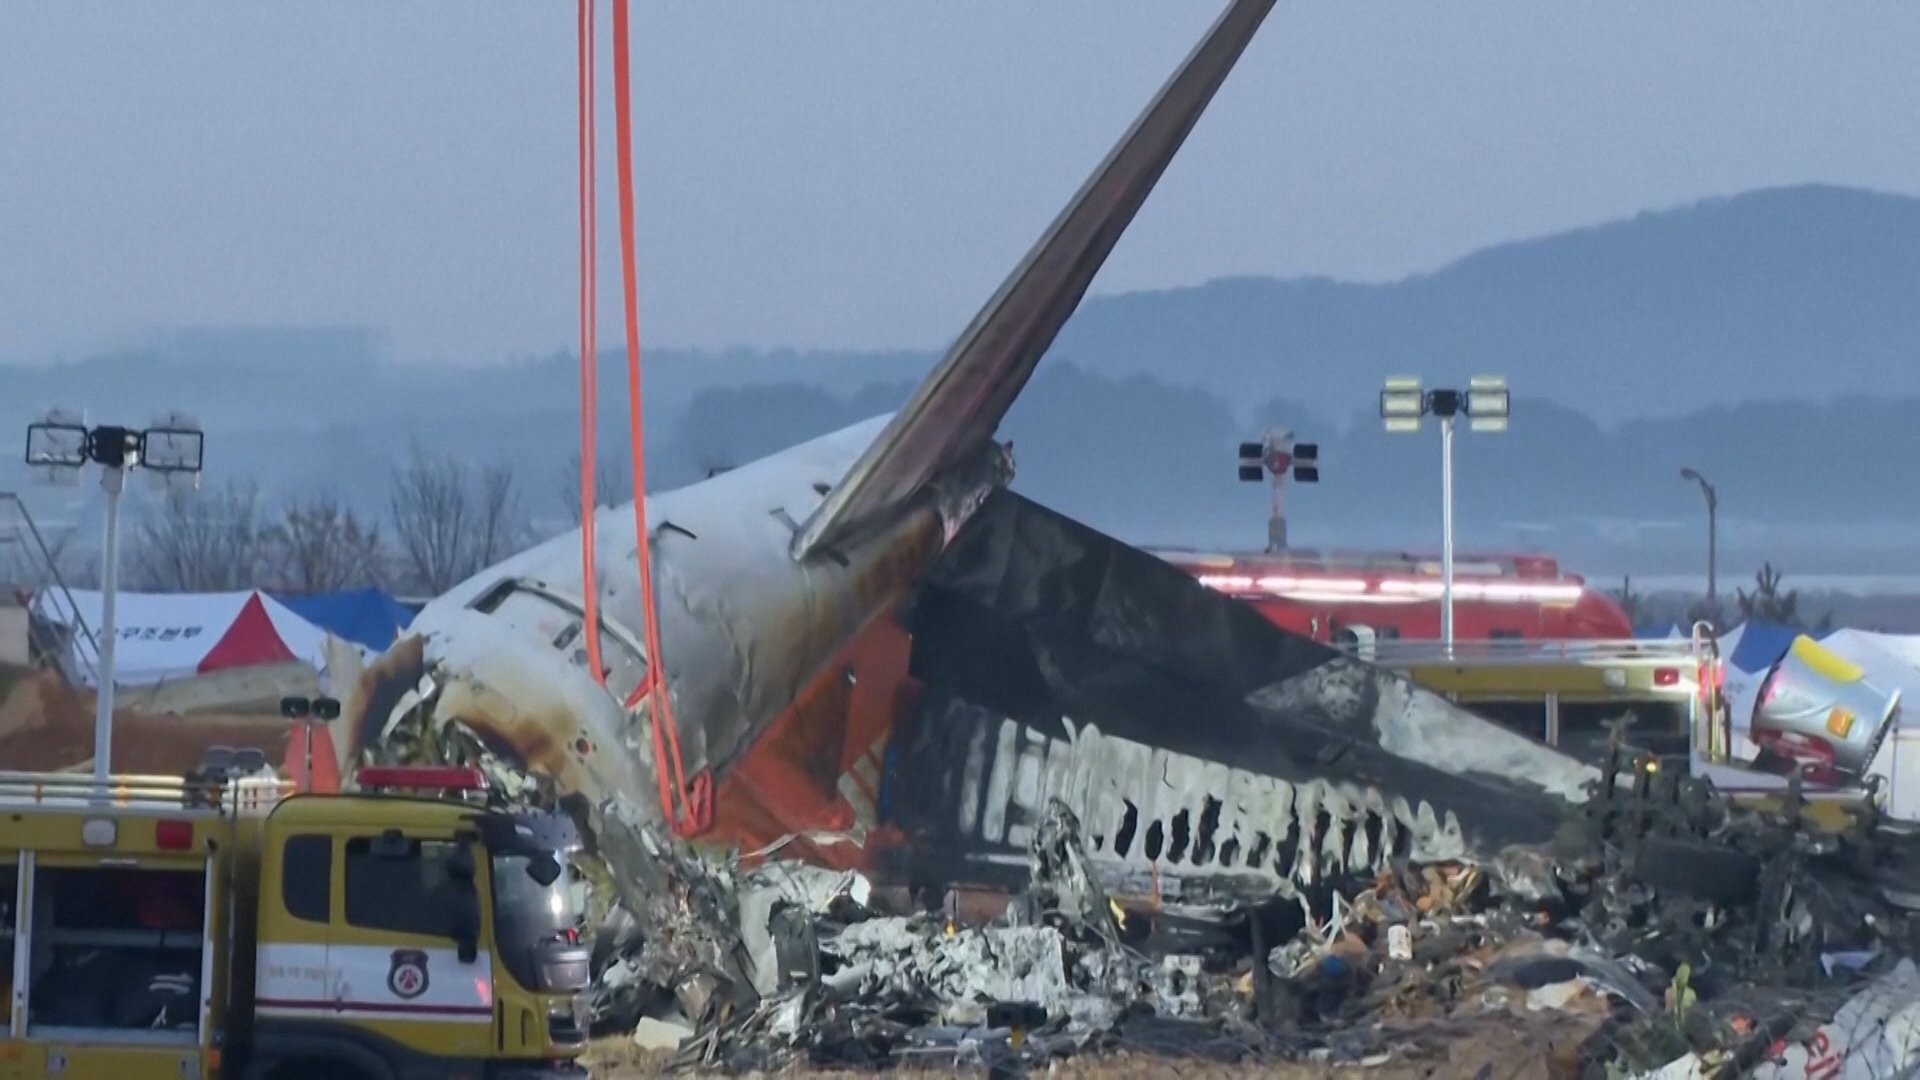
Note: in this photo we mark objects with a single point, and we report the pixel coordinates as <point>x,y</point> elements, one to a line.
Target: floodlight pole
<point>1446,531</point>
<point>1403,404</point>
<point>114,479</point>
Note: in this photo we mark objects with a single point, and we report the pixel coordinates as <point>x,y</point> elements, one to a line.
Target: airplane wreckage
<point>891,674</point>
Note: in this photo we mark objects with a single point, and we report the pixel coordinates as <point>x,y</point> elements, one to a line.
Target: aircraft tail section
<point>955,411</point>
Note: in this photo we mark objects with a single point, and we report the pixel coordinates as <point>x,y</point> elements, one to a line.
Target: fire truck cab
<point>221,926</point>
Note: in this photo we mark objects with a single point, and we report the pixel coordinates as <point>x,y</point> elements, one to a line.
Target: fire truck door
<point>402,971</point>
<point>298,901</point>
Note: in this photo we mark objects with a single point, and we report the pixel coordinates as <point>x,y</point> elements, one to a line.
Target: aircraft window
<point>403,894</point>
<point>306,877</point>
<point>561,624</point>
<point>116,947</point>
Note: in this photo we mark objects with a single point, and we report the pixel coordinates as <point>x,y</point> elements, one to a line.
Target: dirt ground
<point>46,725</point>
<point>1499,1054</point>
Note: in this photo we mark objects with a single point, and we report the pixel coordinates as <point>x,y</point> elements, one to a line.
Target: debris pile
<point>1663,929</point>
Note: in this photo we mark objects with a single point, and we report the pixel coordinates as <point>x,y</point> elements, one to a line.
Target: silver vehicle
<point>1817,714</point>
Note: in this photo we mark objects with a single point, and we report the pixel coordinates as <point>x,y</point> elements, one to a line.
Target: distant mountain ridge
<point>1768,339</point>
<point>1809,291</point>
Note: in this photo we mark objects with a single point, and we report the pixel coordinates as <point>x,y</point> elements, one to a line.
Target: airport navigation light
<point>1278,455</point>
<point>59,447</point>
<point>1487,405</point>
<point>1713,539</point>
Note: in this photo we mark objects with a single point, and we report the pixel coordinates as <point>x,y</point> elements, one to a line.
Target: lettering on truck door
<point>295,976</point>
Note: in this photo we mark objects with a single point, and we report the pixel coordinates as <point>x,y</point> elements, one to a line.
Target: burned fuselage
<point>499,664</point>
<point>1194,739</point>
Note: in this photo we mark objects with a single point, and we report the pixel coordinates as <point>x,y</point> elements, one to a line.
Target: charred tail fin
<point>960,404</point>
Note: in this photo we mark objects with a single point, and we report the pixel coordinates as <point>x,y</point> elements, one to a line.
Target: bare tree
<point>203,541</point>
<point>501,527</point>
<point>320,546</point>
<point>449,524</point>
<point>1633,604</point>
<point>66,559</point>
<point>1768,601</point>
<point>72,562</point>
<point>612,484</point>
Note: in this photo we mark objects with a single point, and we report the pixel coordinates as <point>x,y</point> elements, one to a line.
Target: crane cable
<point>696,800</point>
<point>589,347</point>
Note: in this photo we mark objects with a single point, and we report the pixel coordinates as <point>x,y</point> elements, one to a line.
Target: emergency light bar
<point>1393,589</point>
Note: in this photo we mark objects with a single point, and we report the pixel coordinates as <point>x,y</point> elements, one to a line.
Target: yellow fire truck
<point>1566,693</point>
<point>220,925</point>
<point>1817,714</point>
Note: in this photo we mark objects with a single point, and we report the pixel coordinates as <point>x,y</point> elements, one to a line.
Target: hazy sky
<point>841,173</point>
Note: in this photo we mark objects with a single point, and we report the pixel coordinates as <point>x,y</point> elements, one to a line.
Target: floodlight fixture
<point>1252,462</point>
<point>57,446</point>
<point>1402,404</point>
<point>173,451</point>
<point>1306,462</point>
<point>1488,404</point>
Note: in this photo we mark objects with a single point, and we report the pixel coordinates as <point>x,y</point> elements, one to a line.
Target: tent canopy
<point>162,637</point>
<point>1760,644</point>
<point>370,617</point>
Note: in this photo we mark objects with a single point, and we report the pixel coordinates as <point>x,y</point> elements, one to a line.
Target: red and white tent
<point>164,637</point>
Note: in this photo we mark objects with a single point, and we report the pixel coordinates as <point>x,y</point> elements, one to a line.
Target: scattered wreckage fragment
<point>1875,1034</point>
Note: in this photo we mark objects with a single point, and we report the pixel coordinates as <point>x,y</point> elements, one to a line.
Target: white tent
<point>163,637</point>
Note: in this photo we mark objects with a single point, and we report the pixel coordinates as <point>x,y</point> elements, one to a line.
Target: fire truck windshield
<point>530,918</point>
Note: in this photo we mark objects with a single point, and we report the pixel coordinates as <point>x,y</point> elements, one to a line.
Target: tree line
<point>446,519</point>
<point>1768,601</point>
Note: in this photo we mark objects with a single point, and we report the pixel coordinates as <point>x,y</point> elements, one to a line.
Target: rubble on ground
<point>1662,933</point>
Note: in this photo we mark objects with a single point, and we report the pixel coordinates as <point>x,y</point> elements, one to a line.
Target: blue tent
<point>368,617</point>
<point>1762,643</point>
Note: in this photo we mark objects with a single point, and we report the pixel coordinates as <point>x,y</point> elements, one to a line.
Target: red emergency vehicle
<point>1495,597</point>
